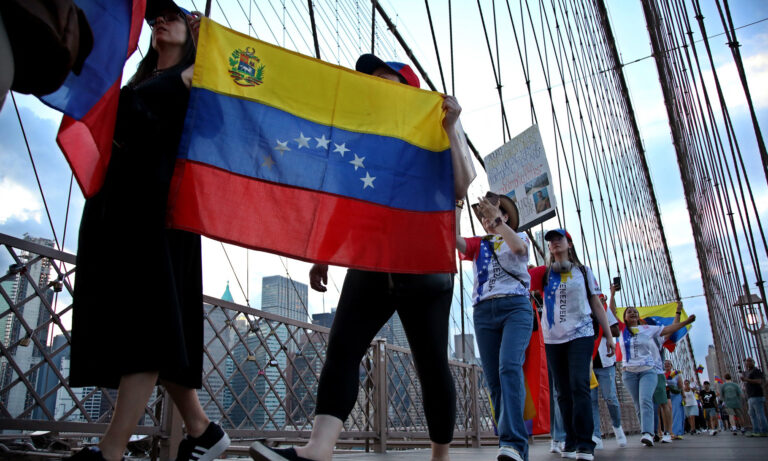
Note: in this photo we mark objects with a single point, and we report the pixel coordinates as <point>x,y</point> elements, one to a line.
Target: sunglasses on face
<point>168,17</point>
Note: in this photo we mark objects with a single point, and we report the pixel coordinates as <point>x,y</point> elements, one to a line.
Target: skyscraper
<point>269,347</point>
<point>217,339</point>
<point>35,313</point>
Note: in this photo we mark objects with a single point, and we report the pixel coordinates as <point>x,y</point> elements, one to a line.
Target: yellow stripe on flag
<point>662,310</point>
<point>317,91</point>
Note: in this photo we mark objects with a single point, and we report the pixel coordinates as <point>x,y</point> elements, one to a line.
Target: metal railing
<point>260,373</point>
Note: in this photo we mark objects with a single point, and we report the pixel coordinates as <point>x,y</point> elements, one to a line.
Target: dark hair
<point>148,65</point>
<point>706,383</point>
<point>727,376</point>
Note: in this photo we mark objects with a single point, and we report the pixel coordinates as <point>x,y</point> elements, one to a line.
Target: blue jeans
<point>569,363</point>
<point>503,328</point>
<point>641,386</point>
<point>757,414</point>
<point>678,414</point>
<point>556,429</point>
<point>606,378</point>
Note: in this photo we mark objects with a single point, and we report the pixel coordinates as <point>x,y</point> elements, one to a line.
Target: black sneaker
<point>87,454</point>
<point>207,447</point>
<point>261,452</point>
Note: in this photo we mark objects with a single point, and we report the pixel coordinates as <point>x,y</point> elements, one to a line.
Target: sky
<point>22,209</point>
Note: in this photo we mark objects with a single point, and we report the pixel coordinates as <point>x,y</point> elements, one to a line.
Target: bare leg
<point>188,404</point>
<point>440,451</point>
<point>133,394</point>
<point>325,432</point>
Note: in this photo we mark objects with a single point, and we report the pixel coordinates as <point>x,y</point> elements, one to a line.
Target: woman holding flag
<point>640,345</point>
<point>130,209</point>
<point>368,299</point>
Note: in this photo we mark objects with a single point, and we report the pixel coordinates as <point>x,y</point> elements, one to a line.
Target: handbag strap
<point>496,258</point>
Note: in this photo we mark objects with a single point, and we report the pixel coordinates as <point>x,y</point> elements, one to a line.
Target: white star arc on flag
<point>322,143</point>
<point>341,149</point>
<point>368,180</point>
<point>302,141</point>
<point>268,162</point>
<point>282,147</point>
<point>358,162</point>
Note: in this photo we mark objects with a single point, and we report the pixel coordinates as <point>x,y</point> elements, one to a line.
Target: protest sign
<point>519,170</point>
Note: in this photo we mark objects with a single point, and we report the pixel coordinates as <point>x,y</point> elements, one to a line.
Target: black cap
<point>156,7</point>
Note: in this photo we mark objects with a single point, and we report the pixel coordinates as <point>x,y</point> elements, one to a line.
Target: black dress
<point>138,285</point>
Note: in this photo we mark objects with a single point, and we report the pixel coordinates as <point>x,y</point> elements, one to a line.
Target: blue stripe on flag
<point>276,146</point>
<point>110,22</point>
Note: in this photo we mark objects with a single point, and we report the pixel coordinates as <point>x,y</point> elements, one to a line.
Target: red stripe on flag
<point>309,225</point>
<point>137,18</point>
<point>87,143</point>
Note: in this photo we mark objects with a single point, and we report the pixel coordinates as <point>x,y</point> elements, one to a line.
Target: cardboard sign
<point>519,170</point>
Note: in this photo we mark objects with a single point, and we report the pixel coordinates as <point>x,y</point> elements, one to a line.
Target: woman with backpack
<point>571,301</point>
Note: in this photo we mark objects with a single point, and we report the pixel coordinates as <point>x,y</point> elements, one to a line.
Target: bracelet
<point>460,203</point>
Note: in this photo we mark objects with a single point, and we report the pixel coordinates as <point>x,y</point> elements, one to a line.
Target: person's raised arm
<point>463,172</point>
<point>513,241</point>
<point>669,329</point>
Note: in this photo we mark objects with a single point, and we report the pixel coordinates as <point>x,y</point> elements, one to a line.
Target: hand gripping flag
<point>89,100</point>
<point>287,154</point>
<point>663,315</point>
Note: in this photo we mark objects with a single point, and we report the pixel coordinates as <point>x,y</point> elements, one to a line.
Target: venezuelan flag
<point>89,100</point>
<point>288,154</point>
<point>663,315</point>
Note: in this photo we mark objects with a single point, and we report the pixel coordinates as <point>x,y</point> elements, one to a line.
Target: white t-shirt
<point>641,349</point>
<point>602,349</point>
<point>492,279</point>
<point>690,399</point>
<point>566,308</point>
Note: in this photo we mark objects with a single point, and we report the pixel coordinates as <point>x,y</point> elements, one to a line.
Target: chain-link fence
<point>260,374</point>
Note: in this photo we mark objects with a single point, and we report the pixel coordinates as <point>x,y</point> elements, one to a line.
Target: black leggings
<point>368,300</point>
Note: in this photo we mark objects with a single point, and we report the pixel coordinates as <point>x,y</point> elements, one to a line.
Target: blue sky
<point>21,209</point>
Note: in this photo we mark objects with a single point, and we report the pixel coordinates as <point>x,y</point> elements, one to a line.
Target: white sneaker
<point>508,454</point>
<point>666,438</point>
<point>598,442</point>
<point>621,438</point>
<point>585,455</point>
<point>647,440</point>
<point>568,454</point>
<point>554,447</point>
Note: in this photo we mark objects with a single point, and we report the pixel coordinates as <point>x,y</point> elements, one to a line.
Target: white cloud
<point>18,202</point>
<point>677,224</point>
<point>756,69</point>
